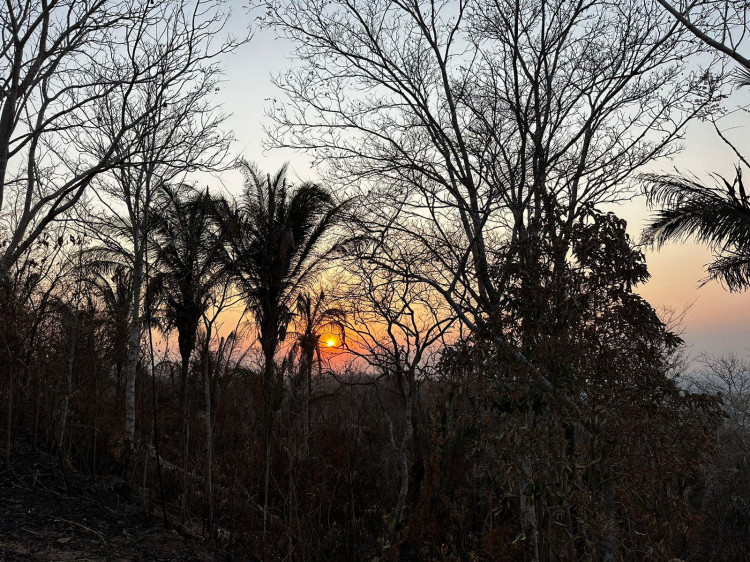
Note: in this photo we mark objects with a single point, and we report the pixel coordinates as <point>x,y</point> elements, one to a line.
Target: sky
<point>715,320</point>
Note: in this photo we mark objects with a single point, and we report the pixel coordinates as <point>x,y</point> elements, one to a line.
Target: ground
<point>50,514</point>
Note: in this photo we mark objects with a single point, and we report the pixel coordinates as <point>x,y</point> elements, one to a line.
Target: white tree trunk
<point>134,340</point>
<point>69,385</point>
<point>404,451</point>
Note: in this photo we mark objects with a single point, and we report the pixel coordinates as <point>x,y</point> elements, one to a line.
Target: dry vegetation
<point>434,352</point>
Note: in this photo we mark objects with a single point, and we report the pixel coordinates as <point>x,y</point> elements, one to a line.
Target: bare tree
<point>470,125</point>
<point>59,61</point>
<point>181,132</point>
<point>395,325</point>
<point>728,483</point>
<point>465,121</point>
<point>721,24</point>
<point>728,376</point>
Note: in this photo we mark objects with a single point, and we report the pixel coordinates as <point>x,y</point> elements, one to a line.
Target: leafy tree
<point>584,455</point>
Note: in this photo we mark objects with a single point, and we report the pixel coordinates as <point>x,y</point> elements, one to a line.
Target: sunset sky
<point>718,322</point>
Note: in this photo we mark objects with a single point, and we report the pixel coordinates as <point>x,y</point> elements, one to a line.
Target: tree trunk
<point>132,361</point>
<point>68,388</point>
<point>268,353</point>
<point>155,415</point>
<point>185,369</point>
<point>404,452</point>
<point>94,420</point>
<point>309,356</point>
<point>574,521</point>
<point>209,436</point>
<point>528,514</point>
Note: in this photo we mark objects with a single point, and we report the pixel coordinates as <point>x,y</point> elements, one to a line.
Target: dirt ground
<point>46,514</point>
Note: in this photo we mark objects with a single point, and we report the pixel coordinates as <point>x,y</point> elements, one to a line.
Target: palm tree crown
<point>275,240</point>
<point>718,216</point>
<point>313,319</point>
<point>187,250</point>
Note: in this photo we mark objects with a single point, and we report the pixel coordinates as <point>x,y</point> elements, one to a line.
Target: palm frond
<point>718,216</point>
<point>732,271</point>
<point>715,215</point>
<point>742,77</point>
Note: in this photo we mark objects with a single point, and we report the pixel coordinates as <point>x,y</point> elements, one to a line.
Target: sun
<point>330,343</point>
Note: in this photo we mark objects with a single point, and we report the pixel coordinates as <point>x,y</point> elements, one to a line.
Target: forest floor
<point>51,514</point>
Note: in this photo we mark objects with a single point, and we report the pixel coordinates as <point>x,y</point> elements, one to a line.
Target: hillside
<point>51,514</point>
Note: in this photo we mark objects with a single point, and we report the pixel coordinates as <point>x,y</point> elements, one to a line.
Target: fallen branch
<point>98,534</point>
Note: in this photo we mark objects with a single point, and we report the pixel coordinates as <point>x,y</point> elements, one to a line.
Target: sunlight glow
<point>330,343</point>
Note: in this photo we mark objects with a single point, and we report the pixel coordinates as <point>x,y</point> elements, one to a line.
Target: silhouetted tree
<point>314,318</point>
<point>717,215</point>
<point>186,270</point>
<point>276,240</point>
<point>180,132</point>
<point>49,92</point>
<point>721,24</point>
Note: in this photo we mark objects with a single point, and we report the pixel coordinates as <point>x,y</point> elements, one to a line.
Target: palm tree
<point>115,292</point>
<point>187,268</point>
<point>314,319</point>
<point>276,240</point>
<point>718,216</point>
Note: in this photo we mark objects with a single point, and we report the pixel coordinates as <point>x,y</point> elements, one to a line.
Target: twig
<point>98,534</point>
